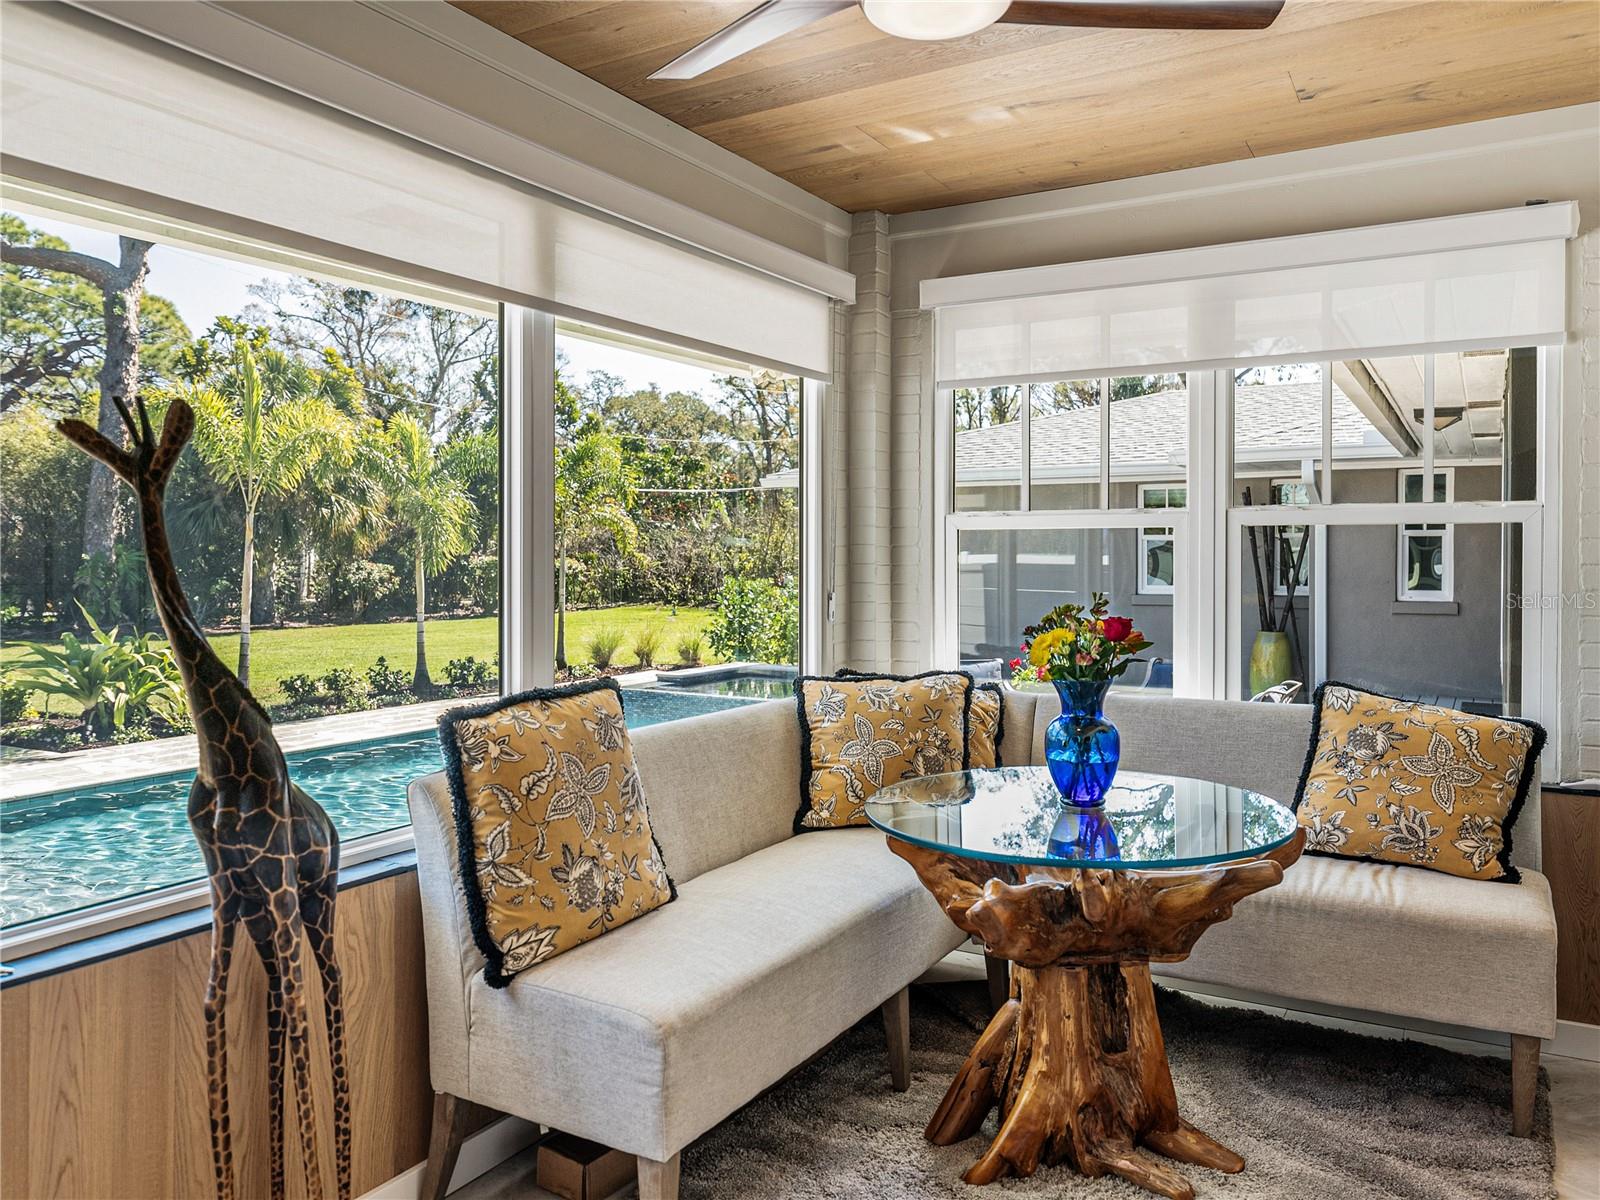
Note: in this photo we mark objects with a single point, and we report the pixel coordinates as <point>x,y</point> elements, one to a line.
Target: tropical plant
<point>691,650</point>
<point>109,679</point>
<point>260,431</point>
<point>343,689</point>
<point>468,674</point>
<point>594,491</point>
<point>115,582</point>
<point>646,644</point>
<point>603,647</point>
<point>428,502</point>
<point>384,680</point>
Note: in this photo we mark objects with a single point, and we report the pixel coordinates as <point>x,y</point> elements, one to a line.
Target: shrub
<point>299,689</point>
<point>468,674</point>
<point>691,650</point>
<point>384,680</point>
<point>358,586</point>
<point>645,645</point>
<point>344,689</point>
<point>482,581</point>
<point>756,621</point>
<point>603,647</point>
<point>14,696</point>
<point>111,680</point>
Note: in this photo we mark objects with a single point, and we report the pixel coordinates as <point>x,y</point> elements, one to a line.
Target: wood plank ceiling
<point>867,121</point>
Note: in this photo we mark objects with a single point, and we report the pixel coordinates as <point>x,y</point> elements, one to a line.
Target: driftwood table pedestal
<point>1074,1059</point>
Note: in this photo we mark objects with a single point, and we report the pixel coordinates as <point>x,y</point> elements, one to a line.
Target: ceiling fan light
<point>933,20</point>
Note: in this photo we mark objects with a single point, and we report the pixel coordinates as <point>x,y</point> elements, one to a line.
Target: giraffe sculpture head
<point>271,852</point>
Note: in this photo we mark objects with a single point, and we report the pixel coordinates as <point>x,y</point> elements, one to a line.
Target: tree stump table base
<point>1077,1065</point>
<point>1075,1059</point>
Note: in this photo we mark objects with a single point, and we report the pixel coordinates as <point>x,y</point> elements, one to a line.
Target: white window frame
<point>1152,534</point>
<point>527,589</point>
<point>1445,533</point>
<point>1306,563</point>
<point>1208,560</point>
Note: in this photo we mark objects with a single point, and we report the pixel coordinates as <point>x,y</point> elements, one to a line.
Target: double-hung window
<point>1156,542</point>
<point>1426,551</point>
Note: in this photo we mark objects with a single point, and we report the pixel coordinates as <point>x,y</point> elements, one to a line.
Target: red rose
<point>1015,663</point>
<point>1117,629</point>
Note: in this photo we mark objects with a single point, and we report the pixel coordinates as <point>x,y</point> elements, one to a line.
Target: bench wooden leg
<point>999,972</point>
<point>897,1028</point>
<point>658,1180</point>
<point>450,1115</point>
<point>1524,1082</point>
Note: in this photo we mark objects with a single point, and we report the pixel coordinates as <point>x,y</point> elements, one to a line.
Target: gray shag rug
<point>1318,1114</point>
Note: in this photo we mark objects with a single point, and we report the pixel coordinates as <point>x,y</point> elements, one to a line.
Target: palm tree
<point>428,499</point>
<point>594,490</point>
<point>261,429</point>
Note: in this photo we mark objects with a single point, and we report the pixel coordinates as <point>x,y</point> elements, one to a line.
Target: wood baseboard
<point>480,1152</point>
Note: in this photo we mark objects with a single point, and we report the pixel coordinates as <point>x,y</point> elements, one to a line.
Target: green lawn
<point>316,650</point>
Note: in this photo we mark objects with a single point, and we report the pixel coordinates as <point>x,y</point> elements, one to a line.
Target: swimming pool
<point>68,850</point>
<point>765,683</point>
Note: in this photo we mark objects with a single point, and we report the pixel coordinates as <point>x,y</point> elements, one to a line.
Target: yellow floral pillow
<point>860,733</point>
<point>555,839</point>
<point>1396,781</point>
<point>986,727</point>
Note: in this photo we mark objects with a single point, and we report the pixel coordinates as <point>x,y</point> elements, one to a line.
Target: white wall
<point>1467,168</point>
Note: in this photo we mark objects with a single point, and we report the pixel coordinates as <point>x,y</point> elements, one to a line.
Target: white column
<point>527,512</point>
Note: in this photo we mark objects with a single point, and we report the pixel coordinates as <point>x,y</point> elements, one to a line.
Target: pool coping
<point>105,765</point>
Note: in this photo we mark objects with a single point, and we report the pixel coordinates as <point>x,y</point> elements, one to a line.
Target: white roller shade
<point>110,107</point>
<point>1489,279</point>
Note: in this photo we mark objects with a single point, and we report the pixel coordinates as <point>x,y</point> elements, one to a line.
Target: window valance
<point>1455,283</point>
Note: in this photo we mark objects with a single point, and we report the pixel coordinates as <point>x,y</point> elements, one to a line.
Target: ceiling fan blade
<point>1145,14</point>
<point>756,28</point>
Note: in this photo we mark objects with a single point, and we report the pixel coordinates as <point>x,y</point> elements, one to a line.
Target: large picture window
<point>336,522</point>
<point>677,522</point>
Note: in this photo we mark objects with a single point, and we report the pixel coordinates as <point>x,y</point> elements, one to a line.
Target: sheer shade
<point>1376,298</point>
<point>112,107</point>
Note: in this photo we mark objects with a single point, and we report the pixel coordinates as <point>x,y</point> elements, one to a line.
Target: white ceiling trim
<point>1577,125</point>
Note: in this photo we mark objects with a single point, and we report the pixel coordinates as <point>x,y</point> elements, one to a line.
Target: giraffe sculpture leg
<point>277,1053</point>
<point>290,941</point>
<point>217,1045</point>
<point>317,913</point>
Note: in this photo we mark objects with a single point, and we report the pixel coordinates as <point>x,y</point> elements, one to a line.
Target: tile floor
<point>1574,1098</point>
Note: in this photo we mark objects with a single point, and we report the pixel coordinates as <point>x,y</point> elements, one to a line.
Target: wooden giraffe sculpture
<point>270,850</point>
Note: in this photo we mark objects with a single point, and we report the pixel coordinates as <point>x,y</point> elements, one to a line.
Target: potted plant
<point>1080,651</point>
<point>1277,563</point>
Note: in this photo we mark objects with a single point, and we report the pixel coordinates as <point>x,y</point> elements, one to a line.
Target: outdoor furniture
<point>1281,693</point>
<point>1080,900</point>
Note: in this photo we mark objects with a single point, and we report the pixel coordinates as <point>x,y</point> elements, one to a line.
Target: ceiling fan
<point>933,20</point>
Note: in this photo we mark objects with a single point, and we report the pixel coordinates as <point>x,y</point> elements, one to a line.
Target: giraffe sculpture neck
<point>222,708</point>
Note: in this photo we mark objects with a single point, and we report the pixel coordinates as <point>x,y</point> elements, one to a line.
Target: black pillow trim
<point>999,721</point>
<point>1509,872</point>
<point>494,972</point>
<point>848,676</point>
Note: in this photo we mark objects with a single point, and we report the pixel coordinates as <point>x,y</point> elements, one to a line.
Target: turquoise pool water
<point>68,850</point>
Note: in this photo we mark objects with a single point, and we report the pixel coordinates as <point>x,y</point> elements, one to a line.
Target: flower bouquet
<point>1080,651</point>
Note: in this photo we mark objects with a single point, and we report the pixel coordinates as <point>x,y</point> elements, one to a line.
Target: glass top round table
<point>1016,815</point>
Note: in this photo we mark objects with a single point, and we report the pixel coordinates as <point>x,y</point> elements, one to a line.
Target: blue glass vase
<point>1081,747</point>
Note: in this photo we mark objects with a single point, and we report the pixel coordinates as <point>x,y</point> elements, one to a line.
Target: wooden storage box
<point>575,1169</point>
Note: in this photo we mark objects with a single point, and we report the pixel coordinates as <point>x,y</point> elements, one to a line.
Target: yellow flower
<point>1047,644</point>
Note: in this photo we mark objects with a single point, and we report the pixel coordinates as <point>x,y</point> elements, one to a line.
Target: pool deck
<point>39,773</point>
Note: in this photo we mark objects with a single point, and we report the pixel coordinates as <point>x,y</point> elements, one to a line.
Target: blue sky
<point>203,287</point>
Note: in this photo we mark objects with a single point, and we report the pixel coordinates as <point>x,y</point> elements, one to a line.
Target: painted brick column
<point>864,603</point>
